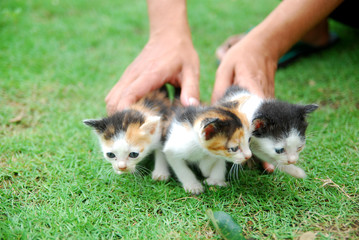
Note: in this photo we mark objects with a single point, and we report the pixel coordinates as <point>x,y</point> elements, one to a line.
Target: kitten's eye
<point>279,150</point>
<point>249,140</point>
<point>300,149</point>
<point>110,155</point>
<point>233,149</point>
<point>133,154</point>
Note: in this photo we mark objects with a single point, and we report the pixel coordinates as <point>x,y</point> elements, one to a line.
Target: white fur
<point>183,146</point>
<point>161,171</point>
<point>122,163</point>
<point>250,106</point>
<point>264,148</point>
<point>238,157</point>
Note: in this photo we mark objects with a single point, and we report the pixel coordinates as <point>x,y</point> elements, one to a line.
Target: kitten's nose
<point>247,155</point>
<point>292,160</point>
<point>121,166</point>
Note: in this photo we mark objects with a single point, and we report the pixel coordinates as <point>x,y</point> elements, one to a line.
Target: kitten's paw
<point>160,176</point>
<point>299,173</point>
<point>195,188</point>
<point>294,171</point>
<point>216,182</point>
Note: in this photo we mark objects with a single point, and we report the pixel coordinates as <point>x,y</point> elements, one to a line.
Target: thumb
<point>190,88</point>
<point>126,96</point>
<point>119,103</point>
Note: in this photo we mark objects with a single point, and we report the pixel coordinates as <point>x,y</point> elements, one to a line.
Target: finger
<point>190,87</point>
<point>137,89</point>
<point>268,167</point>
<point>121,100</point>
<point>114,97</point>
<point>224,79</point>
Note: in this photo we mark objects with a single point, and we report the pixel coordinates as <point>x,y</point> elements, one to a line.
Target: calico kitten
<point>127,137</point>
<point>206,136</point>
<point>278,128</point>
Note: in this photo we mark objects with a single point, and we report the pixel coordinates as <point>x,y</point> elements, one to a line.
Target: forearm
<point>168,17</point>
<point>289,22</point>
<point>168,57</point>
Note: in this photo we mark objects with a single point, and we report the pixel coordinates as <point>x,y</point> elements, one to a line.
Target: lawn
<point>58,60</point>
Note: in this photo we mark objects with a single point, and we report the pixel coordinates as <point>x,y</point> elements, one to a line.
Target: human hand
<point>165,59</point>
<point>248,64</point>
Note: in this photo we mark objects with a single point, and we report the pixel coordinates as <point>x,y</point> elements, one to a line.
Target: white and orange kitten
<point>206,137</point>
<point>128,136</point>
<point>278,128</point>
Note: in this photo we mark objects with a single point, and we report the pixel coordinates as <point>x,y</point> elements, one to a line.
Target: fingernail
<point>193,102</point>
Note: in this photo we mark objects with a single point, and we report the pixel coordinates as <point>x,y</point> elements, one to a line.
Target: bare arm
<point>168,57</point>
<point>252,62</point>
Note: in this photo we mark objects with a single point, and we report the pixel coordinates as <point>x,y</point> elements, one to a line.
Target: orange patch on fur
<point>242,100</point>
<point>134,136</point>
<point>237,136</point>
<point>243,119</point>
<point>108,142</point>
<point>217,146</point>
<point>219,143</point>
<point>152,97</point>
<point>156,96</point>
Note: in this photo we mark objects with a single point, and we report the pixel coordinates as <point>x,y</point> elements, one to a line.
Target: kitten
<point>278,128</point>
<point>128,136</point>
<point>206,136</point>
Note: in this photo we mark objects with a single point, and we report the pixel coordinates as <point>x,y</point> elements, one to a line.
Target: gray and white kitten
<point>278,128</point>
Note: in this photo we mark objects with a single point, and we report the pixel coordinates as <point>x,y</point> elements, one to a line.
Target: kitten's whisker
<point>234,167</point>
<point>241,167</point>
<point>310,137</point>
<point>233,175</point>
<point>236,173</point>
<point>311,133</point>
<point>278,167</point>
<point>230,174</point>
<point>138,174</point>
<point>144,170</point>
<point>142,167</point>
<point>239,171</point>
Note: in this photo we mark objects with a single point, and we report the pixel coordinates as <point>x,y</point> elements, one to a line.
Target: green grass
<point>58,60</point>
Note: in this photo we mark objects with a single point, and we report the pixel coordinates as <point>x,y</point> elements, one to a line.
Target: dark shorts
<point>347,13</point>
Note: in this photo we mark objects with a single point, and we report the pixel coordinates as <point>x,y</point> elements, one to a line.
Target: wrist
<point>170,33</point>
<point>168,18</point>
<point>258,44</point>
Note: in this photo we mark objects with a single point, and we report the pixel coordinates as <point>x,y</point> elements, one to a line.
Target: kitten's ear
<point>310,108</point>
<point>151,125</point>
<point>98,125</point>
<point>209,127</point>
<point>259,126</point>
<point>259,123</point>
